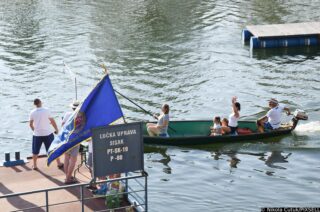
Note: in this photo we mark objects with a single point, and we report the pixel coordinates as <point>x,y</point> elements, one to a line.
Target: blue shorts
<point>233,130</point>
<point>164,135</point>
<point>38,140</point>
<point>267,126</point>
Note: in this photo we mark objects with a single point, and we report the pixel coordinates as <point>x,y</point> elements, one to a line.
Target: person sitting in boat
<point>161,128</point>
<point>216,129</point>
<point>225,129</point>
<point>234,116</point>
<point>272,119</point>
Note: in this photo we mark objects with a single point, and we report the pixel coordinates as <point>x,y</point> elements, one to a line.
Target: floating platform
<point>22,178</point>
<point>282,35</point>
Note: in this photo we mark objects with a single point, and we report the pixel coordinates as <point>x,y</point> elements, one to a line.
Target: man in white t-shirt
<point>272,120</point>
<point>40,121</point>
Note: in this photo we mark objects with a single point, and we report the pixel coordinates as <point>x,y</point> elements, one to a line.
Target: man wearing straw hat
<point>272,119</point>
<point>70,157</point>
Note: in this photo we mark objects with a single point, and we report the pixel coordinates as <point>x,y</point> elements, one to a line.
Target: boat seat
<point>244,131</point>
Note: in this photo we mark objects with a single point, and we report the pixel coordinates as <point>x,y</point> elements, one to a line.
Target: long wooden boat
<point>198,132</point>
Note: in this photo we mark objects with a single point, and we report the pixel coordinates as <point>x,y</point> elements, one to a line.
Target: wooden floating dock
<point>23,179</point>
<point>282,35</point>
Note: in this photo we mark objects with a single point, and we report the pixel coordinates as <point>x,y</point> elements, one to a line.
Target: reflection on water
<point>231,157</point>
<point>299,54</point>
<point>216,155</point>
<point>275,157</point>
<point>250,175</point>
<point>165,158</point>
<point>233,160</point>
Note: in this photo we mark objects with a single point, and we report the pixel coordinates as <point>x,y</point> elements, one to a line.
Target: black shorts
<point>38,140</point>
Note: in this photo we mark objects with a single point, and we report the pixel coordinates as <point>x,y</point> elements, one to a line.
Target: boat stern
<point>297,116</point>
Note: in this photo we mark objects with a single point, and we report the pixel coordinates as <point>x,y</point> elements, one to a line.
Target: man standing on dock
<point>40,120</point>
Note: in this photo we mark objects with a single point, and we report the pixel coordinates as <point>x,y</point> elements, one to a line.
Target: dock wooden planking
<point>285,30</point>
<point>22,179</point>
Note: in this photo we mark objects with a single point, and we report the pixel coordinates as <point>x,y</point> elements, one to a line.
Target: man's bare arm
<point>234,108</point>
<point>287,110</point>
<point>31,125</point>
<point>54,124</point>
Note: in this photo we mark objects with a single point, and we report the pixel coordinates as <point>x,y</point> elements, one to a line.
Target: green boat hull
<point>186,133</point>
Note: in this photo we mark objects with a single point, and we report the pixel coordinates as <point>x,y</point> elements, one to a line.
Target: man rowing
<point>272,119</point>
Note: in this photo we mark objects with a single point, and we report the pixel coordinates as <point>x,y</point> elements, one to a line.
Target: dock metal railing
<point>135,191</point>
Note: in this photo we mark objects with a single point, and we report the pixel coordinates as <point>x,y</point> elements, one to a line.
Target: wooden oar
<point>144,110</point>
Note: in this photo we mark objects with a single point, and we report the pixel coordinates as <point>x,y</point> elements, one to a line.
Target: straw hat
<point>273,100</point>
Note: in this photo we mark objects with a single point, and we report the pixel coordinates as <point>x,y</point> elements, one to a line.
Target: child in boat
<point>225,129</point>
<point>216,129</point>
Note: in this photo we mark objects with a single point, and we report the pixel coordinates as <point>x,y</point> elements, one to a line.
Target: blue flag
<point>100,108</point>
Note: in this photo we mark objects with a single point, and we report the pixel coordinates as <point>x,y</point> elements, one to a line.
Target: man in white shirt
<point>272,120</point>
<point>40,121</point>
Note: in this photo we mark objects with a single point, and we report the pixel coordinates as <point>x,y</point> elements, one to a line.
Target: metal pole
<point>47,201</point>
<point>126,183</point>
<point>82,201</point>
<point>146,192</point>
<point>124,120</point>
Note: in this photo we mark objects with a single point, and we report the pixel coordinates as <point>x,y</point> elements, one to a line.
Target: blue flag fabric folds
<point>100,108</point>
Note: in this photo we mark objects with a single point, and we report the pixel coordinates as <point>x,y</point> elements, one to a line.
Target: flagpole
<point>104,68</point>
<point>124,120</point>
<point>106,72</point>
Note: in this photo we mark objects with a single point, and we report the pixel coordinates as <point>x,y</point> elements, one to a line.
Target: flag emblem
<point>80,122</point>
